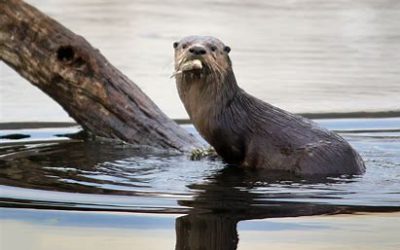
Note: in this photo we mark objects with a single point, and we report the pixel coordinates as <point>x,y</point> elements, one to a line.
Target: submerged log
<point>93,92</point>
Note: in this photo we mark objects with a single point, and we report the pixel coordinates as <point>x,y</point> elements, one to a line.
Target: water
<point>83,172</point>
<point>309,56</point>
<point>46,230</point>
<point>303,56</point>
<point>122,193</point>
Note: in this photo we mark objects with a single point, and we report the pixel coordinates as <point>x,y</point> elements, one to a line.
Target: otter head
<point>204,78</point>
<point>202,58</point>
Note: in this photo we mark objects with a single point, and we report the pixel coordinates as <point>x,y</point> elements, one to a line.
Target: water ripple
<point>70,174</point>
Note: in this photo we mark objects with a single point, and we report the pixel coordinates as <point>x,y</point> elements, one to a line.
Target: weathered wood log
<point>93,92</point>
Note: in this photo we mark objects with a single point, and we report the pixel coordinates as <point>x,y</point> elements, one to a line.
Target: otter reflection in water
<point>246,131</point>
<point>230,196</point>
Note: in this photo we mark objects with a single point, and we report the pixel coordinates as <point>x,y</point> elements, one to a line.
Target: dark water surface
<point>188,204</point>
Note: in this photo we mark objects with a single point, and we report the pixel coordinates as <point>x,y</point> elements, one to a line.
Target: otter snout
<point>197,50</point>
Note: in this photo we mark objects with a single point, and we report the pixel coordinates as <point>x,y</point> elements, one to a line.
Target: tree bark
<point>93,92</point>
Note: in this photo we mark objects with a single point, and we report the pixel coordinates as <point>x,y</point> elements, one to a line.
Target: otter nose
<point>197,50</point>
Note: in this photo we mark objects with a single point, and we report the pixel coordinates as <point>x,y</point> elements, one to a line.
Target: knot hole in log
<point>71,56</point>
<point>65,53</point>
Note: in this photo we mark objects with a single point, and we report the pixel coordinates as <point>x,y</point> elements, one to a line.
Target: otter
<point>249,132</point>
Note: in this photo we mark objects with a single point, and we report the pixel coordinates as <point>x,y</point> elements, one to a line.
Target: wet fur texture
<point>251,133</point>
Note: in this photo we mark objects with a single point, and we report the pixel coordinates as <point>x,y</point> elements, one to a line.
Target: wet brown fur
<point>249,132</point>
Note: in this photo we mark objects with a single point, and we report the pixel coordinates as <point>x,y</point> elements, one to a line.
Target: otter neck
<point>207,97</point>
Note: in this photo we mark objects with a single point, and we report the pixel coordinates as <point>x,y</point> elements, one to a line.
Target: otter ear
<point>227,49</point>
<point>175,44</point>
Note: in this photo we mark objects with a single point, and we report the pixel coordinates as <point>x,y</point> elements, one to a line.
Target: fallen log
<point>93,92</point>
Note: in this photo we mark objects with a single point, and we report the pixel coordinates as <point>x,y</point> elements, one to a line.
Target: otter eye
<point>175,44</point>
<point>227,49</point>
<point>184,46</point>
<point>213,48</point>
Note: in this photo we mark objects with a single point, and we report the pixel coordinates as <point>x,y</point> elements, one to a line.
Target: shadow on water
<point>95,176</point>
